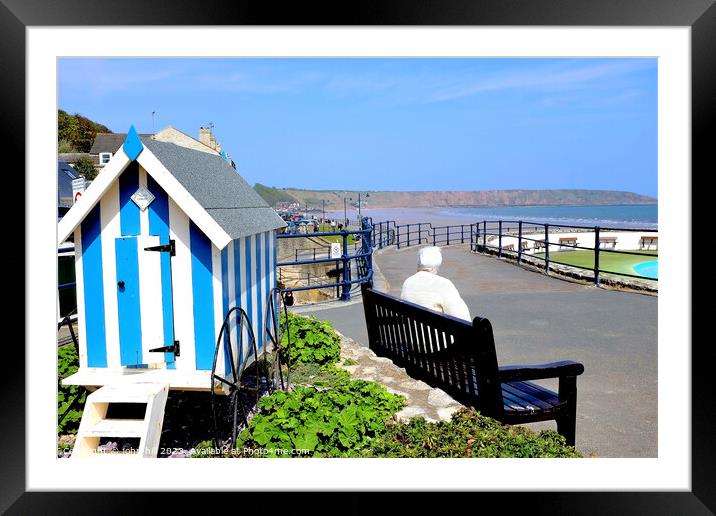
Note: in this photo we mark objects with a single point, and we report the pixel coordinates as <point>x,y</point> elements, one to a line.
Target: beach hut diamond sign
<point>143,198</point>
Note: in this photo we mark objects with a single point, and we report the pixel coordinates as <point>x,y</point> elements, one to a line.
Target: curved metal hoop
<point>274,332</point>
<point>237,365</point>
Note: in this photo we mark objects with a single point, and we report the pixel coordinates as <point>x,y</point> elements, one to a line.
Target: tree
<point>78,130</point>
<point>64,146</point>
<point>85,167</point>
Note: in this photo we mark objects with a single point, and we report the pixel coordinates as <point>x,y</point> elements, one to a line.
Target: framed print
<point>596,64</point>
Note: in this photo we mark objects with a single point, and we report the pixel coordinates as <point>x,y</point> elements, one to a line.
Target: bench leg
<point>567,421</point>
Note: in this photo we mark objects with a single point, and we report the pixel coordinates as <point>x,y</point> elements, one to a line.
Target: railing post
<point>546,248</point>
<point>499,239</point>
<point>447,231</point>
<point>346,293</point>
<point>596,255</point>
<point>462,234</point>
<point>519,242</point>
<point>397,236</point>
<point>408,235</point>
<point>380,243</point>
<point>484,236</point>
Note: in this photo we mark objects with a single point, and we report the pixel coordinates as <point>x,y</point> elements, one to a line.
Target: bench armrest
<point>513,373</point>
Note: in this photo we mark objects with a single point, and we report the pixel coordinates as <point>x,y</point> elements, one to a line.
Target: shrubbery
<point>325,423</point>
<point>67,364</point>
<point>468,434</point>
<point>312,341</point>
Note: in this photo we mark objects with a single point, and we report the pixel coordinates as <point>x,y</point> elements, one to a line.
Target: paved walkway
<point>536,319</point>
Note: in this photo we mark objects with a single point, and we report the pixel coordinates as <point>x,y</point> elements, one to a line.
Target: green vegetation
<point>321,423</point>
<point>467,434</point>
<point>612,262</point>
<point>312,341</point>
<point>67,364</point>
<point>326,228</point>
<point>273,195</point>
<point>76,131</point>
<point>85,167</point>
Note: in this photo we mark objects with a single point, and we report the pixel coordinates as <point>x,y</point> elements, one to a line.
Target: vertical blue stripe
<point>128,309</point>
<point>225,301</point>
<point>202,288</point>
<point>159,225</point>
<point>259,293</point>
<point>273,275</point>
<point>93,284</point>
<point>128,211</point>
<point>237,290</point>
<point>267,265</point>
<point>249,283</point>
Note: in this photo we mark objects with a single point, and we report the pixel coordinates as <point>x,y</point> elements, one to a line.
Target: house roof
<point>109,142</point>
<point>205,186</point>
<point>72,157</point>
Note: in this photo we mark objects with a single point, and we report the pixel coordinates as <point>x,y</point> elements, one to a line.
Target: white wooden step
<point>127,393</point>
<point>117,428</point>
<point>95,425</point>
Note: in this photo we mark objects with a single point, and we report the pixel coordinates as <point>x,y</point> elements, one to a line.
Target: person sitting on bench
<point>426,288</point>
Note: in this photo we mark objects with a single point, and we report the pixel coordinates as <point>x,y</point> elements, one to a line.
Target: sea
<point>641,216</point>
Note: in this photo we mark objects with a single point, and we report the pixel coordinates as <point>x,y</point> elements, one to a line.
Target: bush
<point>312,341</point>
<point>67,364</point>
<point>329,423</point>
<point>85,167</point>
<point>468,434</point>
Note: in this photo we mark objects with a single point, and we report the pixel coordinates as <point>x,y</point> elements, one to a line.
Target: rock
<point>436,397</point>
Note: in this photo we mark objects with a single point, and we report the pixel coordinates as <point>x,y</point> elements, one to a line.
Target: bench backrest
<point>449,353</point>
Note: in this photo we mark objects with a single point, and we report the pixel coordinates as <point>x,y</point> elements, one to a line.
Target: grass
<point>326,228</point>
<point>608,262</point>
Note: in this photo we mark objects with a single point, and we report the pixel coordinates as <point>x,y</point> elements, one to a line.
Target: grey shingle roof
<point>223,193</point>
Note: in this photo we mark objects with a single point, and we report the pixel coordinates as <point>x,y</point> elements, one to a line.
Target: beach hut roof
<point>205,186</point>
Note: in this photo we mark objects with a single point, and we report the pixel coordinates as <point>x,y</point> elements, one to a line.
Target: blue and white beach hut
<point>167,240</point>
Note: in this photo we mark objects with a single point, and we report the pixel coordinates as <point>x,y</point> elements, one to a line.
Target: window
<point>104,158</point>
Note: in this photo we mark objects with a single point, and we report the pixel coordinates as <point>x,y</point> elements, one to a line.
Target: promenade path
<point>537,319</point>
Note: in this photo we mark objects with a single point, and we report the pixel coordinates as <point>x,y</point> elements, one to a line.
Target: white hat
<point>430,257</point>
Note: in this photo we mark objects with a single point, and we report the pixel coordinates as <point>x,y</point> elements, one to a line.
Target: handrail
<point>366,232</point>
<point>479,236</point>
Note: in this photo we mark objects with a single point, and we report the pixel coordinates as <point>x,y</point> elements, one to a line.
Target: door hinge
<point>166,248</point>
<point>174,348</point>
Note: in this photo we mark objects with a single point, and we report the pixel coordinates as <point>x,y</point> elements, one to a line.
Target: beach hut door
<point>144,301</point>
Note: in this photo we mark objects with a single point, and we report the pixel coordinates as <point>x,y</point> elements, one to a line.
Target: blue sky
<point>394,124</point>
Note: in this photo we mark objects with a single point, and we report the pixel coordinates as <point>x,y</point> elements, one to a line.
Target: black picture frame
<point>700,15</point>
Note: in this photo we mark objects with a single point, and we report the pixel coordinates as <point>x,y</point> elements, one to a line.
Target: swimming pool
<point>647,269</point>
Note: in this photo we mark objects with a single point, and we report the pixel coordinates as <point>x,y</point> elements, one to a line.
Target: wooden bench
<point>459,357</point>
<point>608,242</point>
<point>646,242</point>
<point>568,242</point>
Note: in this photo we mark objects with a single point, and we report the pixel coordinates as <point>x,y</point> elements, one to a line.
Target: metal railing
<point>362,257</point>
<point>490,235</point>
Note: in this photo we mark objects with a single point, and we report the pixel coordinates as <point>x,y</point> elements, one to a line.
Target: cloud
<point>547,78</point>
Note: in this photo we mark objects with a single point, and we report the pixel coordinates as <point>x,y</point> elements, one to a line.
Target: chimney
<point>205,136</point>
<point>212,143</point>
<point>218,147</point>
